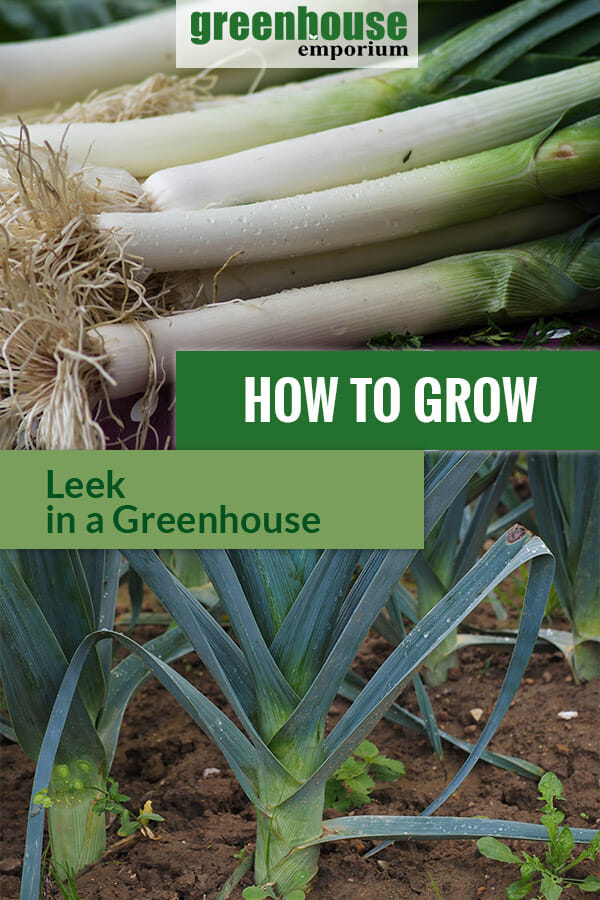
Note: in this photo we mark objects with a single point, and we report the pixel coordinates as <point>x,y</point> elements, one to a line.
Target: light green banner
<point>212,498</point>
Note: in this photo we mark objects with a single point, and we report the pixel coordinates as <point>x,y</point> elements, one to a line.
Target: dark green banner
<point>173,499</point>
<point>530,400</point>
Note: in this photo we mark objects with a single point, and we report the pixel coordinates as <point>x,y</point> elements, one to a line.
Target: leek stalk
<point>543,278</point>
<point>566,495</point>
<point>145,146</point>
<point>39,73</point>
<point>376,147</point>
<point>243,282</point>
<point>408,203</point>
<point>77,834</point>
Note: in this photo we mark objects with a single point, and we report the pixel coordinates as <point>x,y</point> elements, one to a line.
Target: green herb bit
<point>391,341</point>
<point>492,335</point>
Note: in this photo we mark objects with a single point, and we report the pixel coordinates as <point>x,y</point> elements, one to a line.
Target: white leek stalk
<point>77,833</point>
<point>447,294</point>
<point>40,73</point>
<point>408,203</point>
<point>143,146</point>
<point>376,147</point>
<point>255,280</point>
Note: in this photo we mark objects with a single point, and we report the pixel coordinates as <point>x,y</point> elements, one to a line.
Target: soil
<point>163,756</point>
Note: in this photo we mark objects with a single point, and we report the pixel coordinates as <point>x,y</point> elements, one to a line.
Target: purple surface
<point>162,423</point>
<point>447,342</point>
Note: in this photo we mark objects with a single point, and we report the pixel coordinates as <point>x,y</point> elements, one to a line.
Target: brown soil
<point>164,757</point>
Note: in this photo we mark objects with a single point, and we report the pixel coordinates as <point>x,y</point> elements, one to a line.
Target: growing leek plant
<point>49,601</point>
<point>566,495</point>
<point>299,618</point>
<point>450,550</point>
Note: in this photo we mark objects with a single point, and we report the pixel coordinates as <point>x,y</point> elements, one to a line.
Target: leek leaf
<point>447,477</point>
<point>32,664</point>
<point>271,584</point>
<point>579,40</point>
<point>439,828</point>
<point>506,555</point>
<point>275,698</point>
<point>476,39</point>
<point>213,645</point>
<point>423,700</point>
<point>57,582</point>
<point>303,640</point>
<point>534,35</point>
<point>102,568</point>
<point>364,601</point>
<point>304,560</point>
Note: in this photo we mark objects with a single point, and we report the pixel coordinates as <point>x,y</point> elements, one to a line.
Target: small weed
<point>268,890</point>
<point>486,668</point>
<point>109,801</point>
<point>64,879</point>
<point>546,879</point>
<point>113,802</point>
<point>351,785</point>
<point>435,887</point>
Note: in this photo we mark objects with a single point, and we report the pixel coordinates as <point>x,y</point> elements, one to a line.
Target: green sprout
<point>546,878</point>
<point>351,784</point>
<point>261,892</point>
<point>113,801</point>
<point>108,801</point>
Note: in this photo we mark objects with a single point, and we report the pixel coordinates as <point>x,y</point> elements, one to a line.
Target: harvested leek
<point>408,203</point>
<point>543,278</point>
<point>144,146</point>
<point>376,147</point>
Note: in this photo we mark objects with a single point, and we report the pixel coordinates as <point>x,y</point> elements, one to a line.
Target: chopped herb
<point>391,341</point>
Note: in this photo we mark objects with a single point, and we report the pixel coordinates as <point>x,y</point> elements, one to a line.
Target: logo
<point>348,35</point>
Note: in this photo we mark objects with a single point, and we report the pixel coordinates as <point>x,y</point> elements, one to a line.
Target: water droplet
<point>339,329</point>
